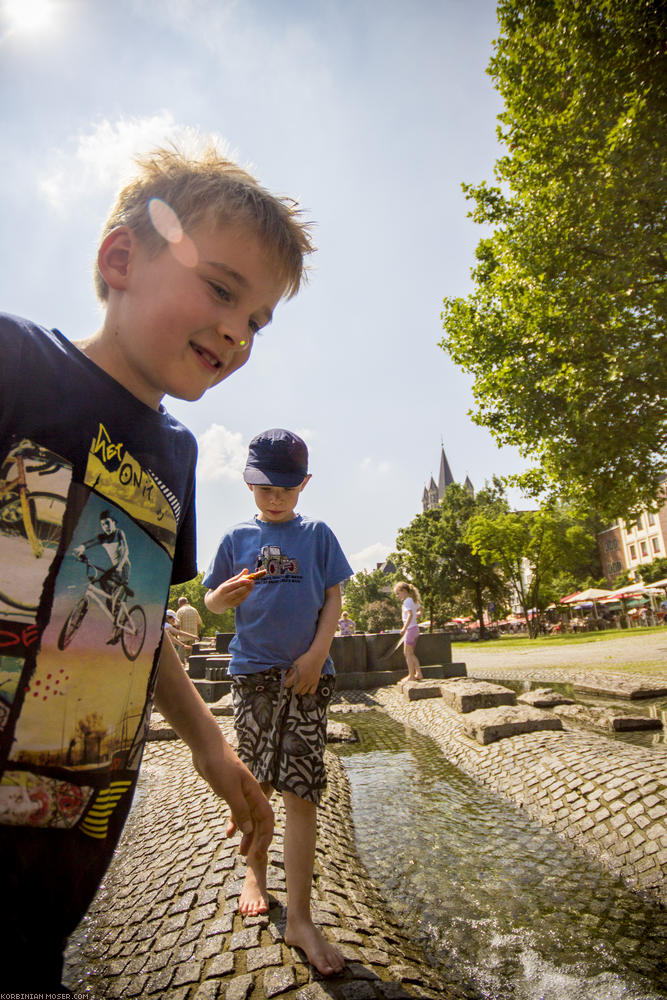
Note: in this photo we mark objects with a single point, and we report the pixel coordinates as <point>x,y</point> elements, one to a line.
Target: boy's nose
<point>234,336</point>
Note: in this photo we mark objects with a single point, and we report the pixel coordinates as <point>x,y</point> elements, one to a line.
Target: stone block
<point>223,706</point>
<point>348,653</point>
<point>418,690</point>
<point>469,695</point>
<point>222,641</point>
<point>486,725</point>
<point>543,698</point>
<point>433,648</point>
<point>381,654</point>
<point>198,665</point>
<point>339,732</point>
<point>387,678</point>
<point>212,690</point>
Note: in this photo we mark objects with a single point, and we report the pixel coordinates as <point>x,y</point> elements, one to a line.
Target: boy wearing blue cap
<point>287,612</point>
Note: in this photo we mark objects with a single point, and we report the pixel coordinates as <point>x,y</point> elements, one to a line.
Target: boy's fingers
<point>253,815</point>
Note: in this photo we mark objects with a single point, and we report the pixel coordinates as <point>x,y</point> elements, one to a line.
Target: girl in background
<point>410,608</point>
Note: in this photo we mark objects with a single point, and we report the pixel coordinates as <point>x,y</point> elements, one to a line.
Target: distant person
<point>281,671</point>
<point>188,618</point>
<point>178,637</point>
<point>410,609</point>
<point>345,624</point>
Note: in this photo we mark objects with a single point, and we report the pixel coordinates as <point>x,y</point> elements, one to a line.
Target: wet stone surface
<point>165,918</point>
<point>608,798</point>
<point>165,924</point>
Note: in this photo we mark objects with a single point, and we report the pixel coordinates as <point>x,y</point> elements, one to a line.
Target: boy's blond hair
<point>208,187</point>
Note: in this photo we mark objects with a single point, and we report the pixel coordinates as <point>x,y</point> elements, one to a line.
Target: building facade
<point>627,545</point>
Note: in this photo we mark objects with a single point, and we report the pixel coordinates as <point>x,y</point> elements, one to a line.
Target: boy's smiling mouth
<point>207,357</point>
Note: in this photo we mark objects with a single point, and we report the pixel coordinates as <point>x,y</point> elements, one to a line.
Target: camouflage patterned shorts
<point>282,735</point>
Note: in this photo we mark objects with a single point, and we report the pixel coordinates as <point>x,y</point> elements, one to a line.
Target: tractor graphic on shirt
<point>274,562</point>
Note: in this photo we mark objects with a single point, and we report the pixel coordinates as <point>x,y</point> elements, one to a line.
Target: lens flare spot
<point>168,225</point>
<point>185,251</point>
<point>165,220</point>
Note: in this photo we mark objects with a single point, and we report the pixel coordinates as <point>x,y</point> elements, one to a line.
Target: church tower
<point>434,492</point>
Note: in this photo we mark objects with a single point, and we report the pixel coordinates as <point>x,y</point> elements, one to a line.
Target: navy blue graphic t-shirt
<point>96,521</point>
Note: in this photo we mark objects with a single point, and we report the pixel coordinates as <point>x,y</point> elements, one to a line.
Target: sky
<point>371,113</point>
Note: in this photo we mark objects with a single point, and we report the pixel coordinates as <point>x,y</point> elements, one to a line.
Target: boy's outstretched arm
<point>309,665</point>
<point>178,700</point>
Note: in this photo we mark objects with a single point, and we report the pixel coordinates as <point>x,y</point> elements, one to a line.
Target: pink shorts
<point>411,635</point>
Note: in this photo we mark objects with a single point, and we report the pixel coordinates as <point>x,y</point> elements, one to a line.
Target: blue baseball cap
<point>276,458</point>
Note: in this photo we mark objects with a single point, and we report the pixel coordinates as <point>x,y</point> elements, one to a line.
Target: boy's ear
<point>113,258</point>
<point>305,482</point>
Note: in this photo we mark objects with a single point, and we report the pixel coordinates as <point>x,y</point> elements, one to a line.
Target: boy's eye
<point>220,291</point>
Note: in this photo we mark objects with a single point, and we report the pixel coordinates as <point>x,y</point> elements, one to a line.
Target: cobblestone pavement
<point>164,923</point>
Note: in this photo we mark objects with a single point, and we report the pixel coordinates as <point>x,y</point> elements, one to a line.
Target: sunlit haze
<point>28,16</point>
<point>371,113</point>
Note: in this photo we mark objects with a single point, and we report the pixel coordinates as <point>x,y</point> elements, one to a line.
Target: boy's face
<point>276,503</point>
<point>178,328</point>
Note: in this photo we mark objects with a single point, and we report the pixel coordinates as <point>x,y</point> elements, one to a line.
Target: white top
<point>407,606</point>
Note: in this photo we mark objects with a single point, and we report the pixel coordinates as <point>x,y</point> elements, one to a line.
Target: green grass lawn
<point>575,639</point>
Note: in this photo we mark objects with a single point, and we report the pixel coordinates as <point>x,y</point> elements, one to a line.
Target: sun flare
<point>27,16</point>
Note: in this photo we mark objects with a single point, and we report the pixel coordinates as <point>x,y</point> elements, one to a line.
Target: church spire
<point>445,478</point>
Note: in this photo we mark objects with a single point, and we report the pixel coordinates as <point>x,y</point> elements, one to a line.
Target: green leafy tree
<point>656,570</point>
<point>382,615</point>
<point>365,589</point>
<point>195,590</point>
<point>530,547</point>
<point>564,331</point>
<point>434,552</point>
<point>624,579</point>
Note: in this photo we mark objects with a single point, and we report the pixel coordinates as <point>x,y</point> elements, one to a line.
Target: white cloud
<point>375,467</point>
<point>100,161</point>
<point>222,454</point>
<point>369,557</point>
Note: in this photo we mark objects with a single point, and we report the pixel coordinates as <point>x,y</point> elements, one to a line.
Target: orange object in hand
<point>256,574</point>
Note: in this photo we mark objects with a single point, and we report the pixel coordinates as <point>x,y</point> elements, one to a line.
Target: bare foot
<point>254,898</point>
<point>326,958</point>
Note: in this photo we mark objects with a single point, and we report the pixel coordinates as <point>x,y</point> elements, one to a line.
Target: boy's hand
<point>232,592</point>
<point>251,812</point>
<point>304,675</point>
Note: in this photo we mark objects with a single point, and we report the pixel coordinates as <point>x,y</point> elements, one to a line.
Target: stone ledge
<point>622,687</point>
<point>608,719</point>
<point>486,725</point>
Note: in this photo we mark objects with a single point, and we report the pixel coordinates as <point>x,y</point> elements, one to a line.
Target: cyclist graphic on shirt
<point>113,581</point>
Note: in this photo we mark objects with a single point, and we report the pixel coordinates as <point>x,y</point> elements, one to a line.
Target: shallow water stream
<point>490,893</point>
